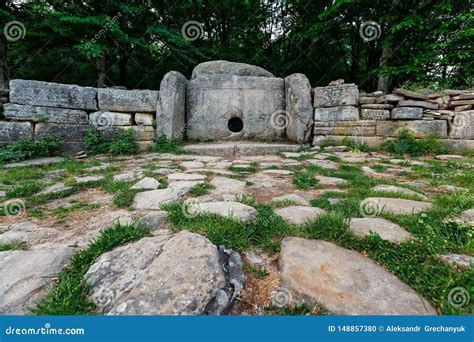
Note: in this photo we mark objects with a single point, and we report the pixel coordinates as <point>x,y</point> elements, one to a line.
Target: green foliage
<point>406,144</point>
<point>354,145</point>
<point>257,272</point>
<point>165,145</point>
<point>45,146</point>
<point>200,189</point>
<point>117,143</point>
<point>304,180</point>
<point>26,189</point>
<point>11,246</point>
<point>70,294</point>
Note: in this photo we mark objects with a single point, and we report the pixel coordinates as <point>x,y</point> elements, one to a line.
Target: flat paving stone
<point>35,162</point>
<point>235,210</point>
<point>343,281</point>
<point>227,188</point>
<point>192,165</point>
<point>277,172</point>
<point>299,214</point>
<point>236,149</point>
<point>87,179</point>
<point>58,187</point>
<point>461,261</point>
<point>180,176</point>
<point>325,164</point>
<point>26,232</point>
<point>398,190</point>
<point>293,198</point>
<point>448,157</point>
<point>384,228</point>
<point>330,181</point>
<point>128,175</point>
<point>147,183</point>
<point>154,199</point>
<point>468,215</point>
<point>372,206</point>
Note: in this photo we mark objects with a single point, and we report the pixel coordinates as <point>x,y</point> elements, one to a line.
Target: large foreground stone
<point>462,126</point>
<point>398,190</point>
<point>155,199</point>
<point>24,274</point>
<point>344,281</point>
<point>170,112</point>
<point>413,113</point>
<point>44,114</point>
<point>121,100</point>
<point>27,233</point>
<point>222,67</point>
<point>235,210</point>
<point>332,96</point>
<point>373,206</point>
<point>38,93</point>
<point>184,274</point>
<point>384,228</point>
<point>299,108</point>
<point>299,214</point>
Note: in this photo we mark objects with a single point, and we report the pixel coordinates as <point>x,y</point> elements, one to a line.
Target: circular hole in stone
<point>235,125</point>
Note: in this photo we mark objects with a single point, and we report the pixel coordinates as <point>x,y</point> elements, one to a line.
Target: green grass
<point>25,190</point>
<point>200,189</point>
<point>304,180</point>
<point>62,212</point>
<point>70,295</point>
<point>164,145</point>
<point>257,272</point>
<point>252,168</point>
<point>299,310</point>
<point>12,246</point>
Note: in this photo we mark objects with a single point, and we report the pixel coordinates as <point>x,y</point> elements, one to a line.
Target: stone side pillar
<point>299,108</point>
<point>170,114</point>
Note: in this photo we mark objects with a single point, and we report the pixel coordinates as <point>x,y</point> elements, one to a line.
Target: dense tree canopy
<point>376,44</point>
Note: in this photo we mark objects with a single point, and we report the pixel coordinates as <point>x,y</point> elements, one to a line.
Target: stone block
<point>109,119</point>
<point>38,93</point>
<point>298,107</point>
<point>332,96</point>
<point>422,104</point>
<point>341,113</point>
<point>236,107</point>
<point>419,128</point>
<point>374,114</point>
<point>170,113</point>
<point>11,131</point>
<point>144,119</point>
<point>142,133</point>
<point>372,142</point>
<point>410,113</point>
<point>121,100</point>
<point>70,133</point>
<point>356,128</point>
<point>44,114</point>
<point>221,67</point>
<point>462,126</point>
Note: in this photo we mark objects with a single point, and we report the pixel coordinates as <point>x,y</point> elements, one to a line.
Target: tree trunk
<point>384,80</point>
<point>4,77</point>
<point>123,53</point>
<point>101,61</point>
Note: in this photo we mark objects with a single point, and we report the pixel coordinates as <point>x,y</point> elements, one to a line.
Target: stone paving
<point>171,272</point>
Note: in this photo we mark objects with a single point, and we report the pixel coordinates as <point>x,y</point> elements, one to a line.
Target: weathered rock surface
<point>384,228</point>
<point>44,114</point>
<point>340,113</point>
<point>398,189</point>
<point>153,221</point>
<point>27,273</point>
<point>364,128</point>
<point>222,67</point>
<point>292,198</point>
<point>36,162</point>
<point>375,205</point>
<point>333,96</point>
<point>344,281</point>
<point>299,214</point>
<point>147,183</point>
<point>374,114</point>
<point>58,187</point>
<point>299,107</point>
<point>170,112</point>
<point>179,176</point>
<point>38,93</point>
<point>69,133</point>
<point>413,113</point>
<point>235,210</point>
<point>464,262</point>
<point>468,215</point>
<point>259,102</point>
<point>422,104</point>
<point>325,164</point>
<point>121,100</point>
<point>418,128</point>
<point>154,199</point>
<point>144,119</point>
<point>410,94</point>
<point>109,119</point>
<point>26,232</point>
<point>462,126</point>
<point>183,274</point>
<point>449,157</point>
<point>330,181</point>
<point>10,131</point>
<point>227,188</point>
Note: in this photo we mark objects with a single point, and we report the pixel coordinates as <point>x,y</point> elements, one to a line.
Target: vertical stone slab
<point>170,114</point>
<point>299,108</point>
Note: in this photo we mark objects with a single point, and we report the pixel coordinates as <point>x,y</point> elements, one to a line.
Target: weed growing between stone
<point>70,295</point>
